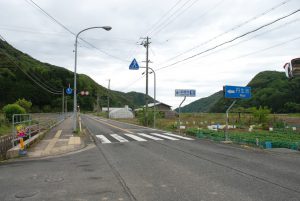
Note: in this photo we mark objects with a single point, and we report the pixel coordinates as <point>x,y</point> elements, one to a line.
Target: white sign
<point>185,92</point>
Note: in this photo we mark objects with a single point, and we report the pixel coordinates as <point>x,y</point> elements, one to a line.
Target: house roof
<point>152,105</point>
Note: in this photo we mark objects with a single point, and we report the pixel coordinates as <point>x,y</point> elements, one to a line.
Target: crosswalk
<point>140,137</point>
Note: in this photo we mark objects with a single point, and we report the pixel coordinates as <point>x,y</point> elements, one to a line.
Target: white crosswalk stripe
<point>178,136</point>
<point>164,136</point>
<point>149,136</point>
<point>119,138</point>
<point>103,139</point>
<point>140,137</point>
<point>137,138</point>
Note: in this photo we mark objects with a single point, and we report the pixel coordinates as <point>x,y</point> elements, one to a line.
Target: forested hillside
<point>269,89</point>
<point>21,76</point>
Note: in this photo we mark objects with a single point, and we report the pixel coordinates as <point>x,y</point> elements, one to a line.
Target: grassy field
<point>5,128</point>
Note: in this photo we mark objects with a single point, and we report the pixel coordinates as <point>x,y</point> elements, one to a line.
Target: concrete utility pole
<point>98,98</point>
<point>108,88</point>
<point>146,45</point>
<point>63,102</point>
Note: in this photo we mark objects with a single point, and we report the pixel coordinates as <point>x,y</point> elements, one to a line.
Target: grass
<point>199,121</point>
<point>5,128</point>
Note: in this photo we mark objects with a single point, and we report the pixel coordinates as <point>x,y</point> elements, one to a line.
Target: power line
<point>230,41</point>
<point>30,77</point>
<point>162,17</point>
<point>203,14</point>
<point>43,82</point>
<point>169,20</point>
<point>71,32</point>
<point>231,29</point>
<point>271,47</point>
<point>255,36</point>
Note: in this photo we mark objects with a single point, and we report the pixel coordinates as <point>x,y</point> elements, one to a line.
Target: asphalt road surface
<point>136,163</point>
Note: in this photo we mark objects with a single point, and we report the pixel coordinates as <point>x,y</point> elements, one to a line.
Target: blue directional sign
<point>237,92</point>
<point>185,92</point>
<point>69,91</point>
<point>134,65</point>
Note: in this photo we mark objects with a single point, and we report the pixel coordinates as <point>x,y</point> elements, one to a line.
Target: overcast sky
<point>178,29</point>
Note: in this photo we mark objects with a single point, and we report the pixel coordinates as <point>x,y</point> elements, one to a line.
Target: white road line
<point>149,136</point>
<point>178,136</point>
<point>137,138</point>
<point>103,139</point>
<point>119,138</point>
<point>163,136</point>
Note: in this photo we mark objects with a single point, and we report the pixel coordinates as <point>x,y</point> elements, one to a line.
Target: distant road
<point>136,163</point>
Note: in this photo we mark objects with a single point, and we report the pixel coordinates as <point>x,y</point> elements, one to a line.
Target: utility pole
<point>146,45</point>
<point>108,88</point>
<point>98,109</point>
<point>63,101</point>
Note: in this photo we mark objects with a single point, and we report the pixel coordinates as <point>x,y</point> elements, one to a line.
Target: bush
<point>11,109</point>
<point>24,104</point>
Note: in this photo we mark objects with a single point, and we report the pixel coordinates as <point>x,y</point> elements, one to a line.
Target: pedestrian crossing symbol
<point>134,65</point>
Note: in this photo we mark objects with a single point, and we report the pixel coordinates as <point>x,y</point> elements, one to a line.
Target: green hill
<point>203,104</point>
<point>269,88</point>
<point>22,76</point>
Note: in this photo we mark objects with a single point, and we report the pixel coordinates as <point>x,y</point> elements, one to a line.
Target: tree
<point>11,109</point>
<point>260,115</point>
<point>24,104</point>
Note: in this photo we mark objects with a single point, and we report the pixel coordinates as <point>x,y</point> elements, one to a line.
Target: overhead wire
<point>162,17</point>
<point>169,20</point>
<point>30,77</point>
<point>231,40</point>
<point>255,36</point>
<point>268,48</point>
<point>71,32</point>
<point>231,29</point>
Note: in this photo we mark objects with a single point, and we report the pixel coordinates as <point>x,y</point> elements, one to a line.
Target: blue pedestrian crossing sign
<point>69,91</point>
<point>134,65</point>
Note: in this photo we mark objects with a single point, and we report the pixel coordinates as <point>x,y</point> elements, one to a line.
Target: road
<point>136,163</point>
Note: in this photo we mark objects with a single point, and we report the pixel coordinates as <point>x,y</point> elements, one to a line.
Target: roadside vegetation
<point>254,126</point>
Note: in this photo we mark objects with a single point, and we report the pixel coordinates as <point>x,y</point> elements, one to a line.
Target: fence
<point>5,144</point>
<point>33,125</point>
<point>278,138</point>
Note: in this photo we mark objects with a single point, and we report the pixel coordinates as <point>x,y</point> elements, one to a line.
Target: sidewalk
<point>59,140</point>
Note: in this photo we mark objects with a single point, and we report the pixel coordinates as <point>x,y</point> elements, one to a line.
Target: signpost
<point>183,93</point>
<point>235,92</point>
<point>69,91</point>
<point>134,65</point>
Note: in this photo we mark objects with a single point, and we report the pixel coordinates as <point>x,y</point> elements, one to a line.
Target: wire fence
<point>278,138</point>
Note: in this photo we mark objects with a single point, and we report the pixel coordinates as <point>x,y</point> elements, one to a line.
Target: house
<point>162,108</point>
<point>119,113</point>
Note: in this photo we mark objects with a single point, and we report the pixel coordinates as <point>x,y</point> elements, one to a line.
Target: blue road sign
<point>185,92</point>
<point>69,91</point>
<point>237,92</point>
<point>134,65</point>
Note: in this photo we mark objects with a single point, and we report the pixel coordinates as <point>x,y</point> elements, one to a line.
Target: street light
<point>107,28</point>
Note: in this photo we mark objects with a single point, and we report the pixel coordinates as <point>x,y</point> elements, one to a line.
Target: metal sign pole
<point>179,112</point>
<point>227,119</point>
